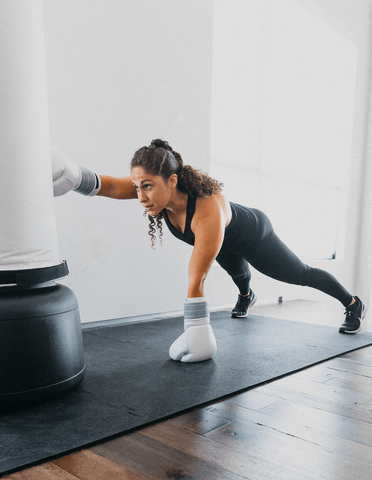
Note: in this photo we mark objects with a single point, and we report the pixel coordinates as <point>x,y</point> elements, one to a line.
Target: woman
<point>195,211</point>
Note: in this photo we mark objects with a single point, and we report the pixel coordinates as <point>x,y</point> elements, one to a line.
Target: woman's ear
<point>173,180</point>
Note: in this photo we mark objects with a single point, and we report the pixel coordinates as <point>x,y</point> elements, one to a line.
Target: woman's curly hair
<point>160,159</point>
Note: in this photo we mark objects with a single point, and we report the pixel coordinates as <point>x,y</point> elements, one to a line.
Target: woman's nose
<point>142,196</point>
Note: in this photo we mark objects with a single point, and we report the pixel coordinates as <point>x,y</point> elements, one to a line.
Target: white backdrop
<point>120,73</point>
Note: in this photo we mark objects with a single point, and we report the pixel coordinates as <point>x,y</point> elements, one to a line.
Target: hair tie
<point>164,147</point>
<point>156,144</point>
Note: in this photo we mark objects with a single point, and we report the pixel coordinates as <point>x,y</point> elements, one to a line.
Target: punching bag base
<point>22,400</point>
<point>41,344</point>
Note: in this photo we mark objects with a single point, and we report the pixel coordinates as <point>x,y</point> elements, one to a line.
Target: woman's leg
<point>238,269</point>
<point>273,258</point>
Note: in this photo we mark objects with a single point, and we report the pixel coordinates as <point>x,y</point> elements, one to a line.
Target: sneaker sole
<point>246,314</point>
<point>342,330</point>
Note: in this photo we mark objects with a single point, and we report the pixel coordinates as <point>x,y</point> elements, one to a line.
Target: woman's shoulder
<point>217,199</point>
<point>213,205</point>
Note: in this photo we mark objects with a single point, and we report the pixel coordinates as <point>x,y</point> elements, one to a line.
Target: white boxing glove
<point>68,176</point>
<point>197,343</point>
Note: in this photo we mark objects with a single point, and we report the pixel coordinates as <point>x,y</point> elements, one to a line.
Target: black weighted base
<point>41,346</point>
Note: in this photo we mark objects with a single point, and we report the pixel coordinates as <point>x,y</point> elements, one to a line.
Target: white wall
<point>290,83</point>
<point>120,73</point>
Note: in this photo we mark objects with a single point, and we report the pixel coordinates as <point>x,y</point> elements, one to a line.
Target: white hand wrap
<point>196,312</point>
<point>90,183</point>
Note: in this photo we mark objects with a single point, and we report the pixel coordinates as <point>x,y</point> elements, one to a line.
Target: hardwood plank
<point>363,355</point>
<point>286,451</point>
<point>330,373</point>
<point>358,412</point>
<point>321,390</point>
<point>198,421</point>
<point>366,406</point>
<point>252,399</point>
<point>87,465</point>
<point>350,367</point>
<point>314,418</point>
<point>244,464</point>
<point>154,460</point>
<point>359,359</point>
<point>310,374</point>
<point>47,471</point>
<point>342,447</point>
<point>351,384</point>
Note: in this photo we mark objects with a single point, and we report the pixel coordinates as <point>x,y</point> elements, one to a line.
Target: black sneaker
<point>243,304</point>
<point>354,316</point>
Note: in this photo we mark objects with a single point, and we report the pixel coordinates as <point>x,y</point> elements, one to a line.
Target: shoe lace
<point>242,300</point>
<point>351,314</point>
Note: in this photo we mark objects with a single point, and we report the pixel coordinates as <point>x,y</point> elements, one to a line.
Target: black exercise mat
<point>131,381</point>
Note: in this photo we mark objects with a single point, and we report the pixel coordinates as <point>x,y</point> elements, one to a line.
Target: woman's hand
<point>68,176</point>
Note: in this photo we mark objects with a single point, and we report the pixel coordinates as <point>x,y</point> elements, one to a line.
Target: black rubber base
<point>41,346</point>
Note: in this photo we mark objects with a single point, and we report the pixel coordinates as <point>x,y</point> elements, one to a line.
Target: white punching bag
<point>41,352</point>
<point>28,236</point>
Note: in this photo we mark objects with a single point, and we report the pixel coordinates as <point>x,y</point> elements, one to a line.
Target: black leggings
<point>270,256</point>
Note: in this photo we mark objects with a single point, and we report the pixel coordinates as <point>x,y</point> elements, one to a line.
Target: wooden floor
<point>315,424</point>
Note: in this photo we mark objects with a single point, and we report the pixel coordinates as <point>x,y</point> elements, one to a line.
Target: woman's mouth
<point>150,209</point>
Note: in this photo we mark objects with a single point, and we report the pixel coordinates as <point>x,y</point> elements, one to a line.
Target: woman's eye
<point>147,186</point>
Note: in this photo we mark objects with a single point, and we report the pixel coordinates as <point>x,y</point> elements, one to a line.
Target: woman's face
<point>153,192</point>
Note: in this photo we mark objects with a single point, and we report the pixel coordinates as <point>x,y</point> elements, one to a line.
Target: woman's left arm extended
<point>208,225</point>
<point>198,343</point>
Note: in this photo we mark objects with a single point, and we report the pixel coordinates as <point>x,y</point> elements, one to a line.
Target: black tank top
<point>247,226</point>
<point>187,236</point>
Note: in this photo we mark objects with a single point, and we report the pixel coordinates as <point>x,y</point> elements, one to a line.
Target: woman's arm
<point>69,176</point>
<point>117,187</point>
<point>208,225</point>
